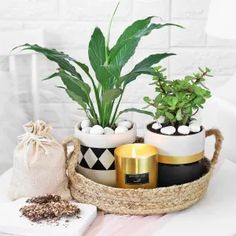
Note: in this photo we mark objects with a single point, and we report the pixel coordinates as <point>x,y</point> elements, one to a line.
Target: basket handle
<point>218,144</point>
<point>71,161</point>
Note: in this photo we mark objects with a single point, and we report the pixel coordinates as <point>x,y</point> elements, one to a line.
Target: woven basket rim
<point>139,201</point>
<point>210,168</point>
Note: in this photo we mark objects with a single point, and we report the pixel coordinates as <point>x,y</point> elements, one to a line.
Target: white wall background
<point>68,25</point>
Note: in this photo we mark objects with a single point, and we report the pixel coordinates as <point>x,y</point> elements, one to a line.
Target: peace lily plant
<point>107,85</point>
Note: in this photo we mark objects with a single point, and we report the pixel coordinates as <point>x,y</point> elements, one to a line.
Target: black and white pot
<point>180,157</point>
<point>96,159</point>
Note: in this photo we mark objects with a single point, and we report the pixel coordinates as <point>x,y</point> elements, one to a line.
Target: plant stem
<point>116,109</point>
<point>96,96</point>
<point>161,87</point>
<point>204,73</point>
<point>195,112</point>
<point>93,112</point>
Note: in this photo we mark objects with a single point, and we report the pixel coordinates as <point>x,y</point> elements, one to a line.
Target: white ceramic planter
<point>185,147</point>
<point>180,157</point>
<point>96,159</point>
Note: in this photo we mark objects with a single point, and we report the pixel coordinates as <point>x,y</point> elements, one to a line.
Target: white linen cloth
<point>214,215</point>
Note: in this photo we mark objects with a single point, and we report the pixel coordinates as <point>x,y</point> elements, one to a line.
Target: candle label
<point>137,178</point>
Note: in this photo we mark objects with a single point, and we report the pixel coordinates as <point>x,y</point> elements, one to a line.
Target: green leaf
<point>143,67</point>
<point>97,55</point>
<point>129,40</point>
<point>60,58</point>
<point>109,76</point>
<point>96,50</point>
<point>159,26</point>
<point>105,73</point>
<point>158,99</point>
<point>179,116</point>
<point>63,60</point>
<point>207,94</point>
<point>109,28</point>
<point>75,85</point>
<point>75,97</point>
<point>169,115</point>
<point>172,101</point>
<point>136,110</point>
<point>150,60</point>
<point>147,99</point>
<point>111,95</point>
<point>61,87</point>
<point>52,76</point>
<point>83,67</point>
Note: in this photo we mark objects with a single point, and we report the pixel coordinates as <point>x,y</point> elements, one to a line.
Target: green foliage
<point>180,99</point>
<point>107,62</point>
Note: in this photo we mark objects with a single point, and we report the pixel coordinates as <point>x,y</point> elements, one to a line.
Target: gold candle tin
<point>136,166</point>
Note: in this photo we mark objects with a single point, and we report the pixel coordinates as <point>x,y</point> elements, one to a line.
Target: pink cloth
<point>115,225</point>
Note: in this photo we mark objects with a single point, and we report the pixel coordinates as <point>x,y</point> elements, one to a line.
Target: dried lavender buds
<point>48,207</point>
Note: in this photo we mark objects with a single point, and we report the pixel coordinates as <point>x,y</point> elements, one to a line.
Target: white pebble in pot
<point>85,123</point>
<point>195,127</point>
<point>183,129</point>
<point>168,130</point>
<point>97,129</point>
<point>161,119</point>
<point>86,130</point>
<point>108,130</point>
<point>125,123</point>
<point>121,130</point>
<point>156,125</point>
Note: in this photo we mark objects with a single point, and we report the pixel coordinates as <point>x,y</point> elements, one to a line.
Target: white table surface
<point>214,215</point>
<point>11,222</point>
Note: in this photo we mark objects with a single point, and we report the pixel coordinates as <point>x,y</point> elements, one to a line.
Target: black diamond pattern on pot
<point>83,163</point>
<point>112,167</point>
<point>83,149</point>
<point>107,159</point>
<point>98,151</point>
<point>90,158</point>
<point>98,166</point>
<point>112,150</point>
<point>97,158</point>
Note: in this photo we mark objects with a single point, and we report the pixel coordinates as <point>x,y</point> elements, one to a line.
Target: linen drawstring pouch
<point>39,164</point>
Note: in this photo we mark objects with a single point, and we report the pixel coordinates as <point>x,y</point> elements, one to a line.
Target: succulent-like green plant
<point>177,100</point>
<point>109,83</point>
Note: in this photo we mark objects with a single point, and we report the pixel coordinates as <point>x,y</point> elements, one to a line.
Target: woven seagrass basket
<point>139,201</point>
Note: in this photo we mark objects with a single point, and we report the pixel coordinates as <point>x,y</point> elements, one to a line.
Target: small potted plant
<point>101,132</point>
<point>179,137</point>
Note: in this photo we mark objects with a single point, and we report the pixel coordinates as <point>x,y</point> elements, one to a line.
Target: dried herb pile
<point>48,207</point>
